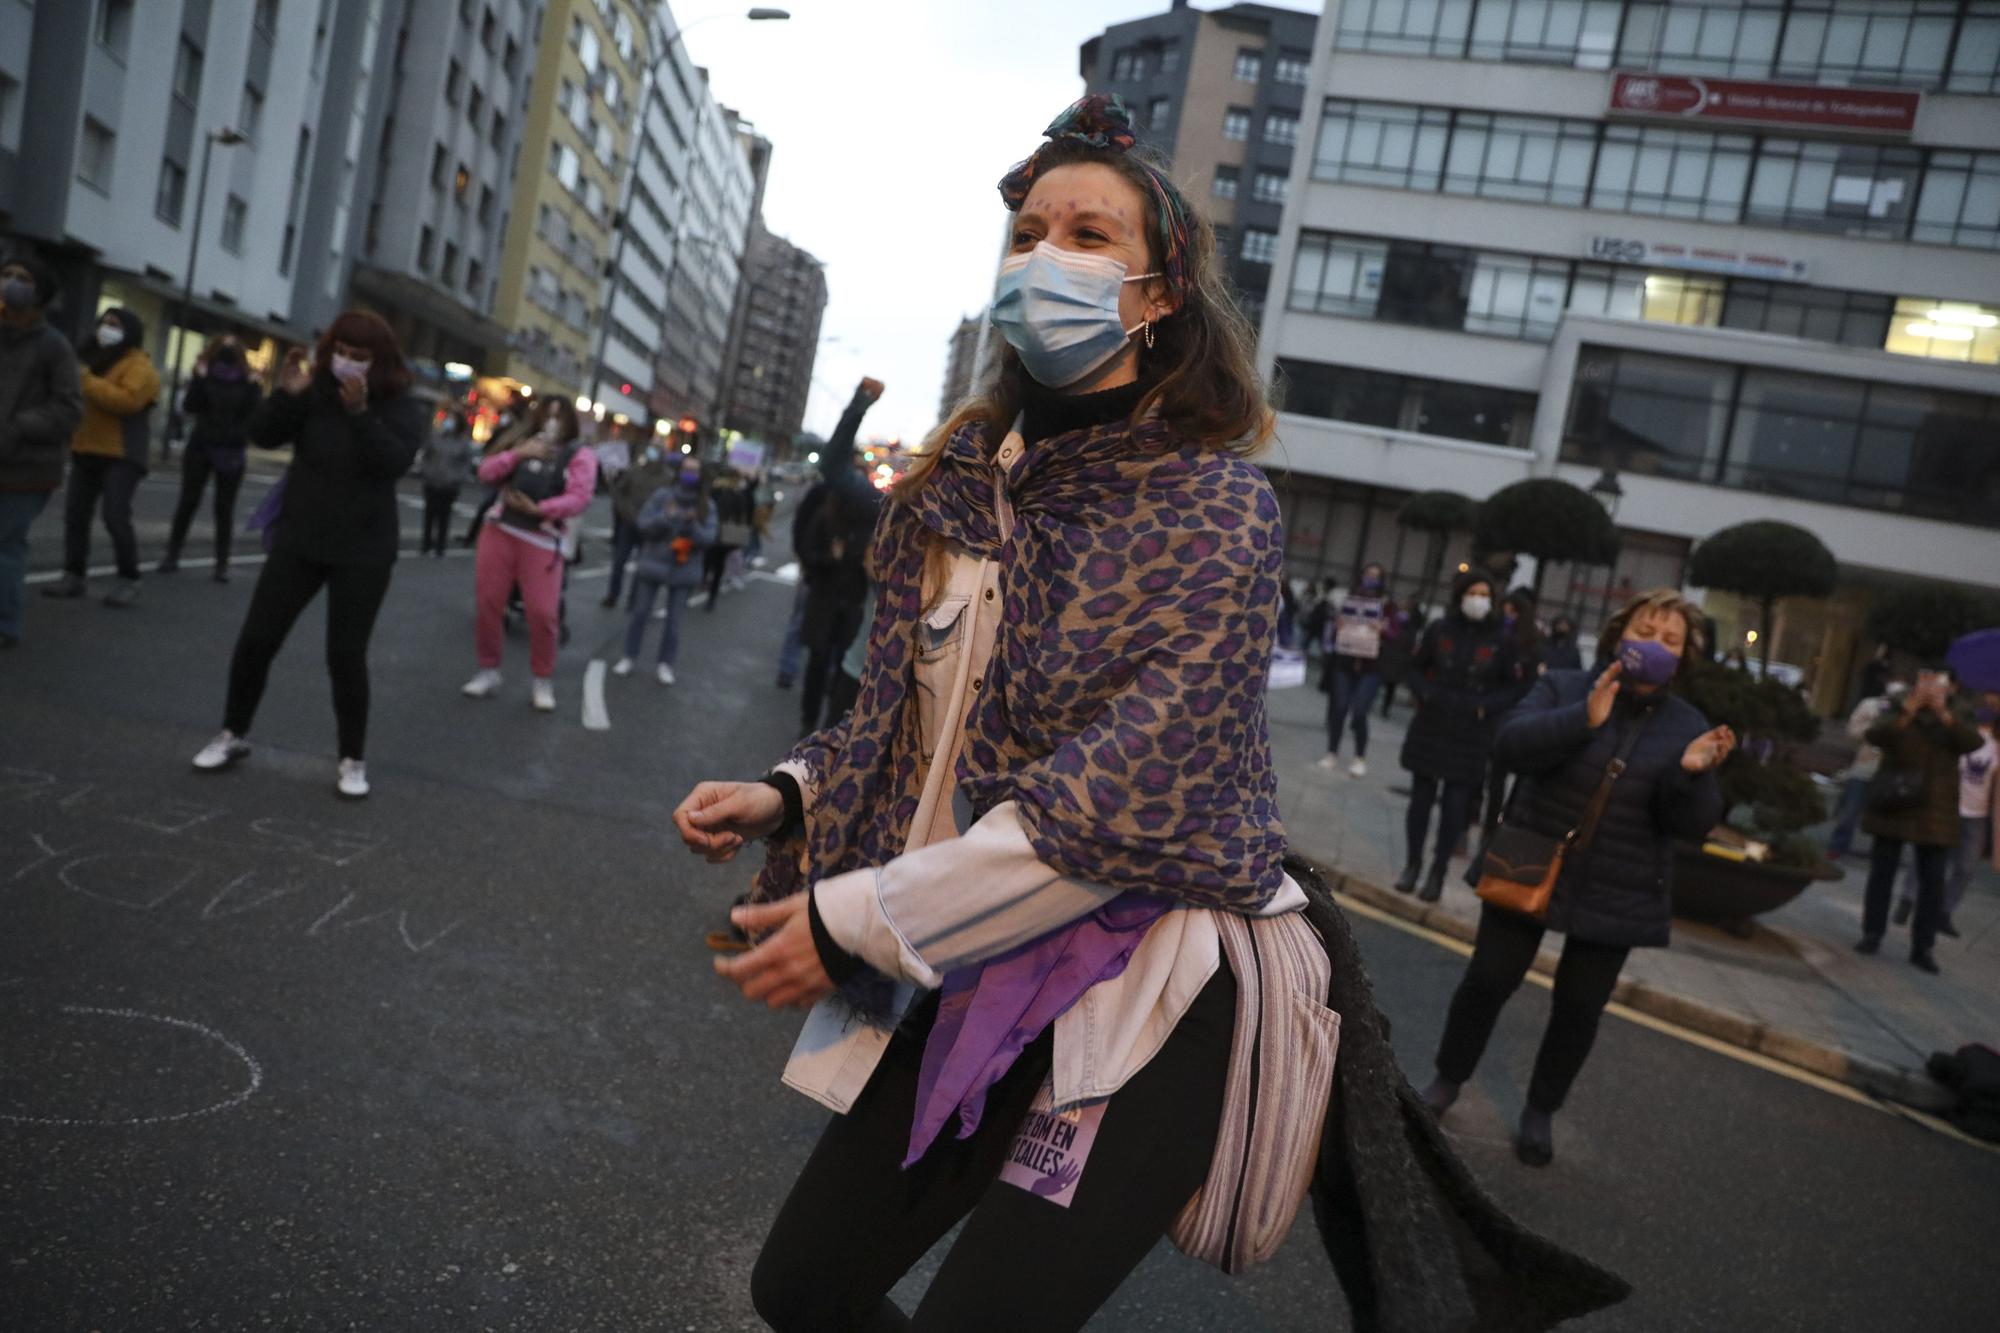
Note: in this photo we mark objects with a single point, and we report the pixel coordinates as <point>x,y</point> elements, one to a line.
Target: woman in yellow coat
<point>108,454</point>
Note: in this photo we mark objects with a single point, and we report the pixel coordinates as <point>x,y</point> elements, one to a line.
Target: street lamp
<point>623,225</point>
<point>228,138</point>
<point>1608,493</point>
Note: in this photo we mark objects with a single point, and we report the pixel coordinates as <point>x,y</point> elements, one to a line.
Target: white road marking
<point>596,717</point>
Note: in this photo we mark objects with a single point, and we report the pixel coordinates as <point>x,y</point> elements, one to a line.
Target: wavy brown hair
<point>1200,371</point>
<point>388,375</point>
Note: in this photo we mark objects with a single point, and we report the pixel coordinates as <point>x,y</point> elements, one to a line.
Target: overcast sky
<point>892,121</point>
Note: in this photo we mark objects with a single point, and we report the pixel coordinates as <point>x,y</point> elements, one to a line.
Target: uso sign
<point>1686,97</point>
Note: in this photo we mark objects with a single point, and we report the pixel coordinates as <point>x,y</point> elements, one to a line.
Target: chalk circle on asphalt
<point>156,1044</point>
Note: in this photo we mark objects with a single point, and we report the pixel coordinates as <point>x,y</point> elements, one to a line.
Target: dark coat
<point>222,411</point>
<point>1463,676</point>
<point>340,495</point>
<point>1561,656</point>
<point>1922,744</point>
<point>1619,889</point>
<point>41,404</point>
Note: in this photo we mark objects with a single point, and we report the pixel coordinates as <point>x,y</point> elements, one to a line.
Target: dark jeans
<point>287,583</point>
<point>1388,698</point>
<point>793,648</point>
<point>624,541</point>
<point>838,624</point>
<point>196,469</point>
<point>1847,815</point>
<point>1931,864</point>
<point>1501,955</point>
<point>438,501</point>
<point>856,1220</point>
<point>18,510</point>
<point>115,479</point>
<point>713,565</point>
<point>1350,697</point>
<point>643,590</point>
<point>1454,812</point>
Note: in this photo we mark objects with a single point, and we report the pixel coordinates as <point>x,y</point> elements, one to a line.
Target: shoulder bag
<point>1520,867</point>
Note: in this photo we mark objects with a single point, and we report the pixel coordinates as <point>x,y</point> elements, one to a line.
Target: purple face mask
<point>1647,661</point>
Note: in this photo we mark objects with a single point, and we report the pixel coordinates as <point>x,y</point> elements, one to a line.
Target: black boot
<point>1868,944</point>
<point>170,563</point>
<point>1921,960</point>
<point>1901,916</point>
<point>1434,882</point>
<point>1407,881</point>
<point>1440,1095</point>
<point>1535,1142</point>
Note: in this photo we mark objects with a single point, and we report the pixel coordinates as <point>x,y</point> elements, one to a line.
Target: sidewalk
<point>1794,990</point>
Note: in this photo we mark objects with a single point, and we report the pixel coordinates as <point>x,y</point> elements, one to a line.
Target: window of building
<point>1236,123</point>
<point>1794,434</point>
<point>1270,187</point>
<point>1337,275</point>
<point>621,34</point>
<point>1425,284</point>
<point>593,198</point>
<point>1536,159</point>
<point>1260,245</point>
<point>614,91</point>
<point>170,192</point>
<point>1515,296</point>
<point>454,83</point>
<point>1658,415</point>
<point>461,181</point>
<point>1855,189</point>
<point>1556,32</point>
<point>1158,112</point>
<point>250,112</point>
<point>489,31</point>
<point>449,273</point>
<point>426,248</point>
<point>1703,38</point>
<point>1672,173</point>
<point>1293,66</point>
<point>512,58</point>
<point>485,203</point>
<point>1281,127</point>
<point>1455,410</point>
<point>266,17</point>
<point>187,71</point>
<point>1851,319</point>
<point>606,144</point>
<point>1382,143</point>
<point>499,134</point>
<point>235,216</point>
<point>475,277</point>
<point>1975,57</point>
<point>1223,184</point>
<point>584,38</point>
<point>1960,200</point>
<point>1945,330</point>
<point>1170,57</point>
<point>114,25</point>
<point>475,107</point>
<point>440,163</point>
<point>1128,65</point>
<point>1837,41</point>
<point>1249,64</point>
<point>300,160</point>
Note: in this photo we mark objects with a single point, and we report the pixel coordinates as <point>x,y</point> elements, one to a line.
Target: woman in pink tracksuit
<point>547,479</point>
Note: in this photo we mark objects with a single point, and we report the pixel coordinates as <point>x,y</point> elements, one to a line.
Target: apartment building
<point>778,310</point>
<point>959,364</point>
<point>1741,260</point>
<point>1218,93</point>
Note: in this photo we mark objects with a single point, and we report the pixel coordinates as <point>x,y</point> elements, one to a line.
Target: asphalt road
<point>453,1058</point>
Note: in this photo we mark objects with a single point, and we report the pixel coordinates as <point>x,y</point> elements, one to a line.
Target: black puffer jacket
<point>1463,676</point>
<point>1619,889</point>
<point>340,496</point>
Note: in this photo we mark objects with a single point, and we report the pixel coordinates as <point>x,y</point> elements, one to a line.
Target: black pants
<point>486,502</point>
<point>624,541</point>
<point>840,695</point>
<point>1501,955</point>
<point>115,479</point>
<point>713,564</point>
<point>354,594</point>
<point>438,501</point>
<point>1496,799</point>
<point>1454,802</point>
<point>837,626</point>
<point>856,1221</point>
<point>195,473</point>
<point>1883,858</point>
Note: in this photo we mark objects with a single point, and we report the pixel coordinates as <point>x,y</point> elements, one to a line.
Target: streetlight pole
<point>1607,492</point>
<point>624,221</point>
<point>227,138</point>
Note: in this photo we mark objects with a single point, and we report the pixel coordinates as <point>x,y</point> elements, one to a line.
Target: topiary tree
<point>1766,560</point>
<point>1549,519</point>
<point>1771,720</point>
<point>1438,514</point>
<point>1924,621</point>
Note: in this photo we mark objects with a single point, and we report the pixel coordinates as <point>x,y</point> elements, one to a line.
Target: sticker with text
<point>1049,1151</point>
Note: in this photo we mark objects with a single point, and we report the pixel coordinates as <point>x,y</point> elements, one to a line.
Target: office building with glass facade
<point>1743,257</point>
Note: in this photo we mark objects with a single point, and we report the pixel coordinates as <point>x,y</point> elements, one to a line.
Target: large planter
<point>1730,893</point>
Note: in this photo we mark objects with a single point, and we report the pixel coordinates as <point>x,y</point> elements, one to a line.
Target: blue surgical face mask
<point>1059,310</point>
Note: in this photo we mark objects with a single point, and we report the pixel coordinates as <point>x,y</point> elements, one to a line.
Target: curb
<point>1779,1044</point>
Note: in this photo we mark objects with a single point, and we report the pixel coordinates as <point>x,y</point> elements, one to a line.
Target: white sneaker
<point>353,782</point>
<point>1358,769</point>
<point>666,674</point>
<point>221,752</point>
<point>484,685</point>
<point>1328,763</point>
<point>545,696</point>
<point>623,667</point>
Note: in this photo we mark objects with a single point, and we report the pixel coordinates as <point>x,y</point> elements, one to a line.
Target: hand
<point>1708,750</point>
<point>518,502</point>
<point>1603,695</point>
<point>784,970</point>
<point>871,389</point>
<point>295,376</point>
<point>718,817</point>
<point>353,392</point>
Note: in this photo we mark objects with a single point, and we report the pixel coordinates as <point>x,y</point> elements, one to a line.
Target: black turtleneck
<point>1046,412</point>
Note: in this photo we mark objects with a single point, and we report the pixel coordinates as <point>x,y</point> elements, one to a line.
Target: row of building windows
<point>1280,127</point>
<point>1953,45</point>
<point>1407,402</point>
<point>1525,296</point>
<point>1919,451</point>
<point>1267,186</point>
<point>1940,196</point>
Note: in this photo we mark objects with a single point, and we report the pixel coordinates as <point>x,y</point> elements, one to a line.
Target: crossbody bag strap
<point>1581,835</point>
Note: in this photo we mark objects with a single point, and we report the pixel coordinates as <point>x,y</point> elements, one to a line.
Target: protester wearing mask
<point>1462,675</point>
<point>331,523</point>
<point>1517,618</point>
<point>41,405</point>
<point>833,557</point>
<point>1867,759</point>
<point>676,526</point>
<point>546,478</point>
<point>1914,799</point>
<point>1617,768</point>
<point>221,399</point>
<point>1559,650</point>
<point>447,462</point>
<point>652,470</point>
<point>1978,796</point>
<point>1351,648</point>
<point>109,454</point>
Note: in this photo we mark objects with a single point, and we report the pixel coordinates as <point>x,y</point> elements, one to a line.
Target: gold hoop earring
<point>1146,330</point>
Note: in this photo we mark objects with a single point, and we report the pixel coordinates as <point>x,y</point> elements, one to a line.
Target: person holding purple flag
<point>1086,1016</point>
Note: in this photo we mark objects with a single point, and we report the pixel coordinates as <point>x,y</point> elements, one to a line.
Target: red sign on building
<point>1686,97</point>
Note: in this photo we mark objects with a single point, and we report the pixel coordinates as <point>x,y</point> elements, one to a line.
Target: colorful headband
<point>1101,121</point>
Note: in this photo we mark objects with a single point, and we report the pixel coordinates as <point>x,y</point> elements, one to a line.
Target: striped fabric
<point>1274,1103</point>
